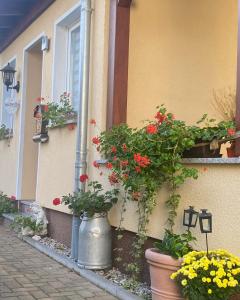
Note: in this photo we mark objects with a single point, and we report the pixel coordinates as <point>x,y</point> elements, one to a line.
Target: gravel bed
<point>140,289</point>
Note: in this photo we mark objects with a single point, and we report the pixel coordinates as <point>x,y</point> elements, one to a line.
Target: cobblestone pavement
<point>27,274</point>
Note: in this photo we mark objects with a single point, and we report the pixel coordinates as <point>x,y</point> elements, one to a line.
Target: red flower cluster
<point>13,198</point>
<point>56,201</point>
<point>160,117</point>
<point>109,165</point>
<point>96,164</point>
<point>142,161</point>
<point>96,140</point>
<point>92,122</point>
<point>83,177</point>
<point>231,131</point>
<point>114,149</point>
<point>113,178</point>
<point>124,147</point>
<point>138,169</point>
<point>124,163</point>
<point>151,129</point>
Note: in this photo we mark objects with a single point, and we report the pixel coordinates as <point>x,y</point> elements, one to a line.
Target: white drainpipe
<point>82,123</point>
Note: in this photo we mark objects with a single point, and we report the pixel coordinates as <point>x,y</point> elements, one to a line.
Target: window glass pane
<point>6,118</point>
<point>74,67</point>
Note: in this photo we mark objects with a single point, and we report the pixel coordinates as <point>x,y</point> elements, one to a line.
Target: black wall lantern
<point>205,220</point>
<point>190,217</point>
<point>8,73</point>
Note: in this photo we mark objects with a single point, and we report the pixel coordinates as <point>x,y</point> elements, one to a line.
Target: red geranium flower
<point>13,198</point>
<point>113,178</point>
<point>138,169</point>
<point>142,161</point>
<point>231,131</point>
<point>124,163</point>
<point>124,147</point>
<point>96,164</point>
<point>151,129</point>
<point>93,122</point>
<point>83,177</point>
<point>56,201</point>
<point>125,176</point>
<point>96,140</point>
<point>114,149</point>
<point>160,117</point>
<point>109,165</point>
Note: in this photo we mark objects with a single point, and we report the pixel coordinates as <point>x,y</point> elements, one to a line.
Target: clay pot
<point>161,268</point>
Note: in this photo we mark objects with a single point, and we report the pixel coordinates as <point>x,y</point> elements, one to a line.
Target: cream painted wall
<point>180,51</point>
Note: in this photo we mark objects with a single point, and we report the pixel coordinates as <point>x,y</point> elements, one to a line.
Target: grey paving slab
<point>27,274</point>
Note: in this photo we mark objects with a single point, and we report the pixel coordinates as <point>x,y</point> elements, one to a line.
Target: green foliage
<point>3,132</point>
<point>7,205</point>
<point>23,222</point>
<point>91,202</point>
<point>175,245</point>
<point>58,113</point>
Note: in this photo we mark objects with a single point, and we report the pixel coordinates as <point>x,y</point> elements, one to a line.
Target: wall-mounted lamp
<point>205,220</point>
<point>8,74</point>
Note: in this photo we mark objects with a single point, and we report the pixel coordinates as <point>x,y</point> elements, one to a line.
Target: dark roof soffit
<point>27,20</point>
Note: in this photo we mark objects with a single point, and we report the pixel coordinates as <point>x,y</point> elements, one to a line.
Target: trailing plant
<point>144,159</point>
<point>22,222</point>
<point>214,276</point>
<point>7,204</point>
<point>95,200</point>
<point>175,245</point>
<point>57,113</point>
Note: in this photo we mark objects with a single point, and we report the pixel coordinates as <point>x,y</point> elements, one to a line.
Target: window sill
<point>220,161</point>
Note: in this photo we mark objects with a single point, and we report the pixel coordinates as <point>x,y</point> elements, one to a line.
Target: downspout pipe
<point>82,122</point>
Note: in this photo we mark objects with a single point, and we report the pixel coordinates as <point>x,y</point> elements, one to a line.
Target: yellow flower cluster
<point>217,270</point>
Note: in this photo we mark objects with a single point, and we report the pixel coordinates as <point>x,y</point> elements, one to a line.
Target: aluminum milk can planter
<point>95,242</point>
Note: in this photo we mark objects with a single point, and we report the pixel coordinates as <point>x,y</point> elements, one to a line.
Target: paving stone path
<point>27,274</point>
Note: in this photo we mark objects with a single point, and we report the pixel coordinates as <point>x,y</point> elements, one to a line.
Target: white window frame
<point>61,58</point>
<point>12,59</point>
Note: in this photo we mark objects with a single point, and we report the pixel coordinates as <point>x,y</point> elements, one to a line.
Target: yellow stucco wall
<point>179,52</point>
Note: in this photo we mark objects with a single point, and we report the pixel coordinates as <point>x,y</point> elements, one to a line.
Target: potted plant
<point>211,276</point>
<point>7,204</point>
<point>95,243</point>
<point>27,225</point>
<point>163,260</point>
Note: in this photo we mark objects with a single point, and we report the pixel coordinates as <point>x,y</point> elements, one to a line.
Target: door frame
<point>21,140</point>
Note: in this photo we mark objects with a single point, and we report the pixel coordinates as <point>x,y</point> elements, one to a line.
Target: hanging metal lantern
<point>190,217</point>
<point>8,74</point>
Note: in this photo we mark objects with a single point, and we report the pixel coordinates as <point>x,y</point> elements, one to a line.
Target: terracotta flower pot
<point>161,268</point>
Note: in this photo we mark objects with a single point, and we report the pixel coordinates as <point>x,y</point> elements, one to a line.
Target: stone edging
<point>94,278</point>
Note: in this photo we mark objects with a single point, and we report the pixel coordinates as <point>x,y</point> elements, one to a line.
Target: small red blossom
<point>125,176</point>
<point>151,129</point>
<point>83,178</point>
<point>13,198</point>
<point>142,161</point>
<point>124,147</point>
<point>124,163</point>
<point>45,108</point>
<point>109,165</point>
<point>71,126</point>
<point>96,140</point>
<point>160,117</point>
<point>96,164</point>
<point>231,131</point>
<point>56,201</point>
<point>113,178</point>
<point>92,122</point>
<point>138,169</point>
<point>114,149</point>
<point>115,158</point>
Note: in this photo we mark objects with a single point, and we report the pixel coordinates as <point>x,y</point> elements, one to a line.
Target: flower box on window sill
<point>72,121</point>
